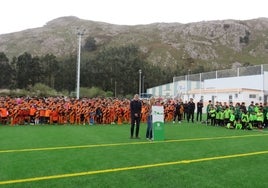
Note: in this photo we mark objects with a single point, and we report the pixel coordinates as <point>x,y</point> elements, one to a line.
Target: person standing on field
<point>191,108</point>
<point>176,111</point>
<point>208,109</point>
<point>185,112</point>
<point>135,112</point>
<point>199,110</point>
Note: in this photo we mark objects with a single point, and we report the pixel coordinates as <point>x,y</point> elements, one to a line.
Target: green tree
<point>28,70</point>
<point>90,44</point>
<point>22,69</point>
<point>118,69</point>
<point>50,68</point>
<point>66,76</point>
<point>5,71</point>
<point>34,71</point>
<point>42,90</point>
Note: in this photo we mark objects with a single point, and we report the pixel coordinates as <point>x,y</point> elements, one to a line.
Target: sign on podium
<point>158,123</point>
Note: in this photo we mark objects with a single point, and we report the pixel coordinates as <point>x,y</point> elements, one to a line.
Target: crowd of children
<point>62,110</point>
<point>238,116</point>
<point>85,111</point>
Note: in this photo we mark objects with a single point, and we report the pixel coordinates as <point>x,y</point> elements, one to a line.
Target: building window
<point>252,96</point>
<point>230,98</point>
<point>236,95</point>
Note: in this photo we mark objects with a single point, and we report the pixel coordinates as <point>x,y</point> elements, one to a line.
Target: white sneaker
<point>173,121</point>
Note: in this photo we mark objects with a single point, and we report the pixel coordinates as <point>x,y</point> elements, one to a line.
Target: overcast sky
<point>17,15</point>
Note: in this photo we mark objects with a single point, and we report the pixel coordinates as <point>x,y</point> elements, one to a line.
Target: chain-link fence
<point>236,72</point>
<point>243,82</point>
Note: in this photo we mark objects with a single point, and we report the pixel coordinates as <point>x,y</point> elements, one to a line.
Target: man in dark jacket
<point>199,110</point>
<point>191,108</point>
<point>135,112</point>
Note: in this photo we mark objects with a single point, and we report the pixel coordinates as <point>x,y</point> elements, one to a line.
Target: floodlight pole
<point>140,82</point>
<point>143,91</point>
<point>78,65</point>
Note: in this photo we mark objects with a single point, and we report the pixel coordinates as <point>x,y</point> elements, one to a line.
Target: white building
<point>244,84</point>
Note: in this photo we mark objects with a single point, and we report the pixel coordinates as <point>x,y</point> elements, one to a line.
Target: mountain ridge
<point>211,44</point>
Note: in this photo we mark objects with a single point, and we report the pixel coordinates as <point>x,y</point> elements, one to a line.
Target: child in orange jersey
<point>54,116</point>
<point>3,115</point>
<point>32,113</point>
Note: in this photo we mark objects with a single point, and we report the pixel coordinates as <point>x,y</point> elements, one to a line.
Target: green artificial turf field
<point>192,155</point>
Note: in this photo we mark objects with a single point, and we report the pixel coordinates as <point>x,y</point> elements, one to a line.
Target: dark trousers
<point>213,121</point>
<point>185,115</point>
<point>135,121</point>
<point>190,116</point>
<point>199,115</point>
<point>149,131</point>
<point>179,115</point>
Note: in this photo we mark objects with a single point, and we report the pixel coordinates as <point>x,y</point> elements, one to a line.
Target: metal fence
<point>235,72</point>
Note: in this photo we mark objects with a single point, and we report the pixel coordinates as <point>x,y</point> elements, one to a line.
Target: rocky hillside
<point>212,44</point>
